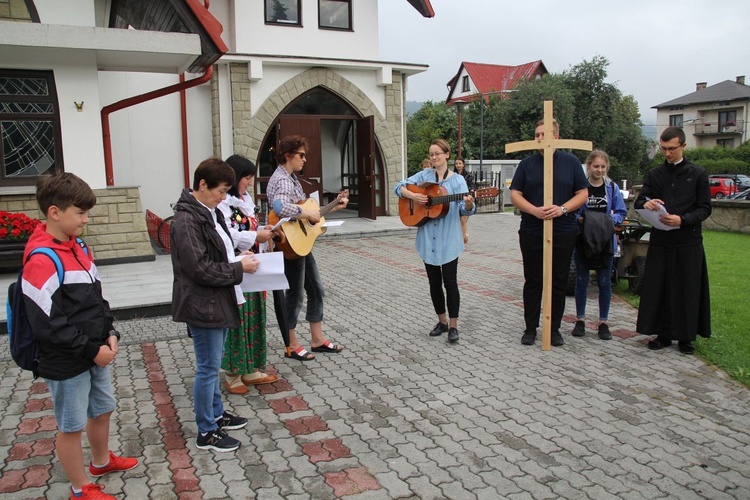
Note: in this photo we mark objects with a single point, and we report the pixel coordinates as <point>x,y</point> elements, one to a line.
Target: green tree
<point>602,115</point>
<point>434,120</point>
<point>586,107</point>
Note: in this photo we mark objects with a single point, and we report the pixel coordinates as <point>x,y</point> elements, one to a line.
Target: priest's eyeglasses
<point>670,148</point>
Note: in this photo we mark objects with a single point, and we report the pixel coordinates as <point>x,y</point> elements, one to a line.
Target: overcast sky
<point>658,49</point>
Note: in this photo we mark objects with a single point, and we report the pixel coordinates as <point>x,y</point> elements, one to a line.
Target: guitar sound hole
<point>302,227</point>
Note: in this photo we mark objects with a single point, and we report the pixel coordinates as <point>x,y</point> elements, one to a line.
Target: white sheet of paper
<point>269,276</point>
<point>281,221</point>
<point>333,223</point>
<point>652,216</point>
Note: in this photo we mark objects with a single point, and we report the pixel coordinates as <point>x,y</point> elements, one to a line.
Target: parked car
<point>740,180</point>
<point>742,195</point>
<point>721,187</point>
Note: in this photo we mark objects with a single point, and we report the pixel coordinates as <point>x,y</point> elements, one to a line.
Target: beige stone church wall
<point>116,231</point>
<point>250,130</point>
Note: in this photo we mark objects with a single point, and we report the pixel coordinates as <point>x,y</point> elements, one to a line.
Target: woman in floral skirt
<point>244,359</point>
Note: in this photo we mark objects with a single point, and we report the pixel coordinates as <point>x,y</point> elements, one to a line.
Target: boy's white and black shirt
<point>71,319</point>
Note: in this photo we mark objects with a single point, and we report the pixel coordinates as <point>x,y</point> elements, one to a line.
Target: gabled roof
<point>493,78</point>
<point>724,91</point>
<point>176,16</point>
<point>423,7</point>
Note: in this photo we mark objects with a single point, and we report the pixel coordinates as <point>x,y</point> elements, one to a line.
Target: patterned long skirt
<point>245,348</point>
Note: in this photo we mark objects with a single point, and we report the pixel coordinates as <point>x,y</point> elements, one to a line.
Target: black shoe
<point>604,332</point>
<point>579,330</point>
<point>217,440</point>
<point>230,422</point>
<point>439,329</point>
<point>686,347</point>
<point>452,335</point>
<point>557,339</point>
<point>659,343</point>
<point>529,336</point>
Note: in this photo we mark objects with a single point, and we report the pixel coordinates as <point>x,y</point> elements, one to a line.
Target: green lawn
<point>728,257</point>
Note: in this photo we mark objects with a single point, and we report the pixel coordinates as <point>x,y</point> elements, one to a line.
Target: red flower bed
<point>16,226</point>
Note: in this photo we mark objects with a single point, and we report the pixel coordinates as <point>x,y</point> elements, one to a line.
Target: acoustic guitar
<point>295,238</point>
<point>414,215</point>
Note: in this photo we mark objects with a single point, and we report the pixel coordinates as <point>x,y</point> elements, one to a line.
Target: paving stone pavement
<point>402,415</point>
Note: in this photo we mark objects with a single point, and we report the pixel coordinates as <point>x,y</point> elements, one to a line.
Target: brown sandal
<point>235,386</point>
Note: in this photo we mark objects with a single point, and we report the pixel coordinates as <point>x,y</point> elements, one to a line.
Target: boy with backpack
<point>73,326</point>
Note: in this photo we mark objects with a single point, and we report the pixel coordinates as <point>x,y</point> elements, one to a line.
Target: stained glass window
<point>30,143</point>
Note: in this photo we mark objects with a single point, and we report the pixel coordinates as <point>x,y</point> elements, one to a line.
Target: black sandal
<point>300,354</point>
<point>328,346</point>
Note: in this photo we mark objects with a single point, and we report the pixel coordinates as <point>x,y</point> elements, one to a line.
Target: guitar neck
<point>330,206</point>
<point>441,200</point>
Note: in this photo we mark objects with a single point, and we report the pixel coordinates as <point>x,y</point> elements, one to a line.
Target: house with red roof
<point>478,79</point>
<point>474,79</point>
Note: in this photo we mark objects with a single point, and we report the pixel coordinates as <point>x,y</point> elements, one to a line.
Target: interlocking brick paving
<point>420,418</point>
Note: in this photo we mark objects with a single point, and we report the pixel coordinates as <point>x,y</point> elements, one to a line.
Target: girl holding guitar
<point>285,193</point>
<point>440,241</point>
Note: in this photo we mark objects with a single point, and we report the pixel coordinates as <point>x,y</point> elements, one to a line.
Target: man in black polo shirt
<point>527,194</point>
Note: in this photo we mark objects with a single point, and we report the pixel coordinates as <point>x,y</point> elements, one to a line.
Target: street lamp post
<point>459,108</point>
<point>481,136</point>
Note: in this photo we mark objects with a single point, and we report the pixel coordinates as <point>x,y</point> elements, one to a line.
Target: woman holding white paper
<point>244,359</point>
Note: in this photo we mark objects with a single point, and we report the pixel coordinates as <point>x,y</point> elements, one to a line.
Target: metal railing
<point>487,180</point>
<point>715,128</point>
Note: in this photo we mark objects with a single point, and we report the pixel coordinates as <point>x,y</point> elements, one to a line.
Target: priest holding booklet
<point>440,241</point>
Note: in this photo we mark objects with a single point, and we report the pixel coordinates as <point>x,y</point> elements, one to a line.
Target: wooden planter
<point>11,255</point>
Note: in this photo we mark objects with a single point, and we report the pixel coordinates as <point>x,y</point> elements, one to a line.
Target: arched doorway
<point>342,154</point>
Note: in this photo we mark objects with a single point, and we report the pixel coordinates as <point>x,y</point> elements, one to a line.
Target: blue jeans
<point>604,282</point>
<point>85,396</point>
<point>303,274</point>
<point>208,344</point>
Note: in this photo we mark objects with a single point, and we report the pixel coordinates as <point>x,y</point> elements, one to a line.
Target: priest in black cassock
<point>675,302</point>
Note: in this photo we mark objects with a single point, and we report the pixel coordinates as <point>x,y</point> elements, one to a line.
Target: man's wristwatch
<point>564,209</point>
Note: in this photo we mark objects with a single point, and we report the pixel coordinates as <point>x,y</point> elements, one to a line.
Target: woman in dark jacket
<point>206,292</point>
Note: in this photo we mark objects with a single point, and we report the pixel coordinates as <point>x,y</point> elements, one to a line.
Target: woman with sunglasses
<point>284,193</point>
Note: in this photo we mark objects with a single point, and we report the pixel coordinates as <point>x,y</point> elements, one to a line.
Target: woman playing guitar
<point>440,241</point>
<point>284,193</point>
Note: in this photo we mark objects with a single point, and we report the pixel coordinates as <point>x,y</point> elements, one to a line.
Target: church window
<point>31,142</point>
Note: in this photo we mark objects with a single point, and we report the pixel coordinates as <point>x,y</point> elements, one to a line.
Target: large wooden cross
<point>548,146</point>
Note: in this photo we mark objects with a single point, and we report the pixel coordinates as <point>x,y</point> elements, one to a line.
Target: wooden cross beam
<point>547,146</point>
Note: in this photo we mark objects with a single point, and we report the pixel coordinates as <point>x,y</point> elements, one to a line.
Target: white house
<point>99,88</point>
<point>713,115</point>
